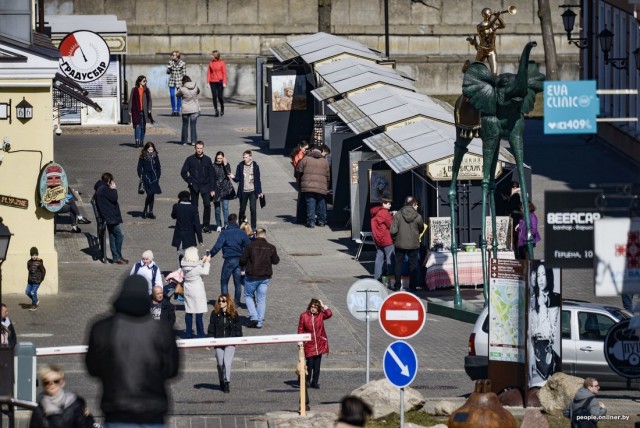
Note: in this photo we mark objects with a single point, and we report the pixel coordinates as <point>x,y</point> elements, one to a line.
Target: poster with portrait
<point>288,92</point>
<point>544,344</point>
<point>380,185</point>
<point>440,233</point>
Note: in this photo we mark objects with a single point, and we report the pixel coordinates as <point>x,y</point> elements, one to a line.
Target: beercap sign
<point>85,56</point>
<point>54,187</point>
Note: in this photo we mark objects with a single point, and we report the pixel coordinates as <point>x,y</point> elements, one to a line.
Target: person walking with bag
<point>224,323</point>
<point>312,322</point>
<point>224,190</point>
<point>149,172</point>
<point>140,109</point>
<point>217,78</point>
<point>584,405</point>
<point>249,187</point>
<point>188,92</point>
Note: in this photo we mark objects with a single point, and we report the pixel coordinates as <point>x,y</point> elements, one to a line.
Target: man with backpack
<point>147,269</point>
<point>584,409</point>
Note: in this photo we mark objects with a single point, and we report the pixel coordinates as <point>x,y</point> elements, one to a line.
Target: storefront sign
<point>11,201</point>
<point>617,251</point>
<point>85,56</point>
<point>470,168</point>
<point>569,222</point>
<point>622,350</point>
<point>54,187</point>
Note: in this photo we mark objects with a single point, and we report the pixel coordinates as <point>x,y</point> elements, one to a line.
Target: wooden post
<point>302,369</point>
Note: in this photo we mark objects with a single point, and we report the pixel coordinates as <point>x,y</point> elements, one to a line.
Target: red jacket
<point>217,72</point>
<point>380,224</point>
<point>314,325</point>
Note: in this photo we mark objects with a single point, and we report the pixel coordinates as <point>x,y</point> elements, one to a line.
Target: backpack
<point>582,411</point>
<point>154,272</point>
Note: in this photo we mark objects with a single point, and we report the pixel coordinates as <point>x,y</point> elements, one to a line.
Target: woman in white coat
<point>195,296</point>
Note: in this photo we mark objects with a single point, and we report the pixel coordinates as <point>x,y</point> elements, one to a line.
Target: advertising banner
<point>53,187</point>
<point>617,251</point>
<point>544,335</point>
<point>568,233</point>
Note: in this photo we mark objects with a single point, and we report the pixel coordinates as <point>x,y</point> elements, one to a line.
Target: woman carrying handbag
<point>149,172</point>
<point>224,190</point>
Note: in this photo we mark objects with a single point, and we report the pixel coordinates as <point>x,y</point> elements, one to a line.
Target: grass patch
<point>537,112</point>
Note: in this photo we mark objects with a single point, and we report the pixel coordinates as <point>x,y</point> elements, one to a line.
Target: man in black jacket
<point>109,210</point>
<point>133,356</point>
<point>257,260</point>
<point>161,307</point>
<point>198,173</point>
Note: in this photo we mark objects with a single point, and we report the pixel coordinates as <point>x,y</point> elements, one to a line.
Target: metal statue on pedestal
<point>492,106</point>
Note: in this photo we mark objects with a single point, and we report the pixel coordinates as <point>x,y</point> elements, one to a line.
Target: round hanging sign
<point>85,56</point>
<point>54,187</point>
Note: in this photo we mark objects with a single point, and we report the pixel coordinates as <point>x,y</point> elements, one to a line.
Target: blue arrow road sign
<point>400,363</point>
<point>571,107</point>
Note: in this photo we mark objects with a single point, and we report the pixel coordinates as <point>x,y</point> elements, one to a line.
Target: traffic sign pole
<point>401,407</point>
<point>367,311</point>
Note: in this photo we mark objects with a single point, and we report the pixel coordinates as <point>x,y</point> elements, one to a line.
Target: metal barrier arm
<point>205,342</point>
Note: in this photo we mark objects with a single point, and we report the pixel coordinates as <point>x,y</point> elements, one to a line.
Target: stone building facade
<point>427,37</point>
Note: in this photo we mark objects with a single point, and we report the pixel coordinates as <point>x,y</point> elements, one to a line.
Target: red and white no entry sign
<point>402,315</point>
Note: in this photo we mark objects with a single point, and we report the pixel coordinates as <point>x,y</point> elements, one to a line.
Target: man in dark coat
<point>198,173</point>
<point>109,209</point>
<point>187,223</point>
<point>406,227</point>
<point>249,187</point>
<point>133,356</point>
<point>232,242</point>
<point>161,307</point>
<point>315,179</point>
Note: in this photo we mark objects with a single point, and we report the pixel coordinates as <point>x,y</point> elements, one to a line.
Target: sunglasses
<point>222,301</point>
<point>596,386</point>
<point>53,381</point>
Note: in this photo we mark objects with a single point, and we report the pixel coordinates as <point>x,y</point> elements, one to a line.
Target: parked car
<point>584,328</point>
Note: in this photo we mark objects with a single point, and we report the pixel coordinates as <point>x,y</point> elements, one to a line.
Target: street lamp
<point>568,21</point>
<point>606,43</point>
<point>5,238</point>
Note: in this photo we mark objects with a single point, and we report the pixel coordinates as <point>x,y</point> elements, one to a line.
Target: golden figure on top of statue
<point>485,43</point>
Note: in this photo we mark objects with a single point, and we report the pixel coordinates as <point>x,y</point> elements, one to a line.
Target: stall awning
<point>74,90</point>
<point>321,46</point>
<point>359,82</point>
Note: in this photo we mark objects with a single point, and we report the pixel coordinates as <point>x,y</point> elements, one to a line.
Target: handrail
<point>5,399</point>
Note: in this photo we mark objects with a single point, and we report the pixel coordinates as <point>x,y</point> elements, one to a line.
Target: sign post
<point>402,316</point>
<point>364,299</point>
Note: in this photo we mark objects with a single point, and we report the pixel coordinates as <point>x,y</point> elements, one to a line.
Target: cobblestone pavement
<point>314,263</point>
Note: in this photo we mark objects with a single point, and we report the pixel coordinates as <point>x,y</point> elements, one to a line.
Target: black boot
<point>144,214</point>
<point>221,377</point>
<point>216,113</point>
<point>227,388</point>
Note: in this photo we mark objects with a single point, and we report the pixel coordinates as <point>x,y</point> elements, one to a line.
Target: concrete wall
<point>19,172</point>
<point>427,36</point>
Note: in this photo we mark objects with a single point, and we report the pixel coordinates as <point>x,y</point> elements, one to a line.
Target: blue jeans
<point>259,287</point>
<point>189,121</point>
<point>225,212</point>
<point>32,291</point>
<point>316,206</point>
<point>116,237</point>
<point>174,100</point>
<point>188,321</point>
<point>231,267</point>
<point>382,254</point>
<point>130,425</point>
<point>140,129</point>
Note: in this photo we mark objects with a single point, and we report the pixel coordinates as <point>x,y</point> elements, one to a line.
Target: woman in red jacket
<point>217,78</point>
<point>312,322</point>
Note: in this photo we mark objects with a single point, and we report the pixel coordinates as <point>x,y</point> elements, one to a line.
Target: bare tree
<point>551,60</point>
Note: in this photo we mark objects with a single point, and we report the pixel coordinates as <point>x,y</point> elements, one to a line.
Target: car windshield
<point>619,314</point>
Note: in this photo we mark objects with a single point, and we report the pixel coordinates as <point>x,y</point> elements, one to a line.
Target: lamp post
<point>568,21</point>
<point>6,353</point>
<point>606,43</point>
<point>5,238</point>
